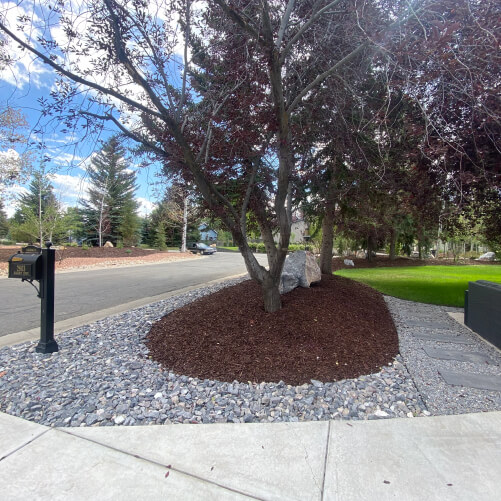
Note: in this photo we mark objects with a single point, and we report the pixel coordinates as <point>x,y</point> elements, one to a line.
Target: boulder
<point>108,244</point>
<point>300,270</point>
<point>488,256</point>
<point>349,262</point>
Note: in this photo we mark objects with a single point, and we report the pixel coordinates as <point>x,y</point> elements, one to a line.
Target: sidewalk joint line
<point>326,459</point>
<point>27,443</point>
<point>152,461</point>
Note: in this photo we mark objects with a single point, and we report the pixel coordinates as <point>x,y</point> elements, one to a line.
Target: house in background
<point>206,233</point>
<point>299,229</point>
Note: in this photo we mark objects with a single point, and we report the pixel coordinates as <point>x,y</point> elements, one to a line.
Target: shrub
<point>85,247</point>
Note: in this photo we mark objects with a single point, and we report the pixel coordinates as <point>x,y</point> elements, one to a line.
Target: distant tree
<point>40,216</point>
<point>180,209</point>
<point>130,226</point>
<point>15,161</point>
<point>159,236</point>
<point>110,212</point>
<point>4,223</point>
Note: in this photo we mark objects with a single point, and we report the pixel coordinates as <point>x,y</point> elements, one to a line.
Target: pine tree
<point>40,216</point>
<point>110,213</point>
<point>4,224</point>
<point>39,197</point>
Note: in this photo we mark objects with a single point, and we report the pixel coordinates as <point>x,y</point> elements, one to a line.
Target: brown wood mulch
<point>333,330</point>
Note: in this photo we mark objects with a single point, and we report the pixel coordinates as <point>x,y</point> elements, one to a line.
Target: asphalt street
<point>83,292</point>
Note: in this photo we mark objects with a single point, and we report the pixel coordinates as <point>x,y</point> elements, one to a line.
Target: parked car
<point>199,248</point>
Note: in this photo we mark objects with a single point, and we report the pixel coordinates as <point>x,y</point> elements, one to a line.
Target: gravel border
<point>103,376</point>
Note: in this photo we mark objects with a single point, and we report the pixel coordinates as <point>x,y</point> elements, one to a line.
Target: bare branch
<point>78,79</point>
<point>303,28</point>
<point>284,23</point>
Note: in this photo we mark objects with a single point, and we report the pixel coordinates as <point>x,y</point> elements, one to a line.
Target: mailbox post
<point>47,343</point>
<point>34,263</point>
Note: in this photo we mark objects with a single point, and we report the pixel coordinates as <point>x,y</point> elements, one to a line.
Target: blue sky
<point>69,153</point>
<point>21,86</point>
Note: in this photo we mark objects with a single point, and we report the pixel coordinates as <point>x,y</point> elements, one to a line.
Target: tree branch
<point>303,28</point>
<point>284,23</point>
<point>131,69</point>
<point>78,79</point>
<point>326,74</point>
<point>232,14</point>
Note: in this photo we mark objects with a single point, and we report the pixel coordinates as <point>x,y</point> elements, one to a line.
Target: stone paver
<point>443,338</point>
<point>428,325</point>
<point>480,381</point>
<point>461,356</point>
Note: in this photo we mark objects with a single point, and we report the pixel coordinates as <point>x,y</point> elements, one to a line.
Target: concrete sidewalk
<point>446,458</point>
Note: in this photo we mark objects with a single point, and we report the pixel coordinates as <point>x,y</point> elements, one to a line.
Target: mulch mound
<point>334,330</point>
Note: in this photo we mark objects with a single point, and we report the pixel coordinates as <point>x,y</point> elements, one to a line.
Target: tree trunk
<point>271,295</point>
<point>328,221</point>
<point>393,242</point>
<point>185,223</point>
<point>327,243</point>
<point>370,246</point>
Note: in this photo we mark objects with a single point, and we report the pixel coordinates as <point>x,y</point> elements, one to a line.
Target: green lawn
<point>443,285</point>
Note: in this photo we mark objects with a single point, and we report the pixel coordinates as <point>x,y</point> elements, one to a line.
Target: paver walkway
<point>454,369</point>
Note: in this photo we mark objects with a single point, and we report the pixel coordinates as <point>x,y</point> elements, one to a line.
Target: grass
<point>443,285</point>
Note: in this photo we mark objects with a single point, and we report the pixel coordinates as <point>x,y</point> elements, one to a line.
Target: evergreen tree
<point>110,213</point>
<point>4,224</point>
<point>40,216</point>
<point>38,199</point>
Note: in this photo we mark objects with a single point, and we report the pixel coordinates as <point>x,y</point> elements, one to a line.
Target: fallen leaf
<point>2,374</point>
<point>348,424</point>
<point>167,474</point>
<point>386,481</point>
<point>212,468</point>
<point>450,485</point>
<point>169,466</point>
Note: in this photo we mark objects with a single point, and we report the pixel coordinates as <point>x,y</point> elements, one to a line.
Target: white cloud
<point>69,189</point>
<point>10,198</point>
<point>25,69</point>
<point>146,206</point>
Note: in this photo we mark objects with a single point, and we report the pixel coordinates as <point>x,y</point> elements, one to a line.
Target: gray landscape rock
<point>488,256</point>
<point>300,270</point>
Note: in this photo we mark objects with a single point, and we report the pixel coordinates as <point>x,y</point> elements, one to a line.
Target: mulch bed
<point>93,252</point>
<point>334,330</point>
<point>386,262</point>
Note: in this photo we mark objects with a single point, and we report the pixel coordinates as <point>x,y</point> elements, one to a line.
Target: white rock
<point>119,419</point>
<point>300,269</point>
<point>349,262</point>
<point>488,256</point>
<point>158,395</point>
<point>380,413</point>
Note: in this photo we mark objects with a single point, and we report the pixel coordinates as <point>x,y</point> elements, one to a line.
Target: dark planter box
<point>482,310</point>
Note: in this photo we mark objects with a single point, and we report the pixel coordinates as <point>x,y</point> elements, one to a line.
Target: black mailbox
<point>26,266</point>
